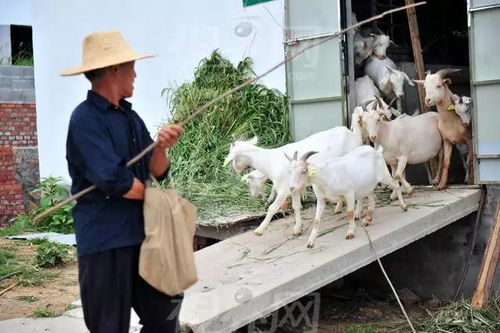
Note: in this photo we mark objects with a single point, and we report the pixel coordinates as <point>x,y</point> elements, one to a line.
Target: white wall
<point>15,12</point>
<point>180,32</point>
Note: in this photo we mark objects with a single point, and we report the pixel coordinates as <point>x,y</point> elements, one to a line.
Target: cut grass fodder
<point>197,170</point>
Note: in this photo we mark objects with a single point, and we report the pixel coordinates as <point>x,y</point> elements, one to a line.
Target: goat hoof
<point>405,207</point>
<point>310,244</point>
<point>258,232</point>
<point>297,232</point>
<point>366,223</point>
<point>442,187</point>
<point>349,236</point>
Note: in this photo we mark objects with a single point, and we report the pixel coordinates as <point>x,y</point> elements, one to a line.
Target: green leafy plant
<point>51,193</point>
<point>45,312</point>
<point>50,254</point>
<point>197,170</point>
<point>24,58</point>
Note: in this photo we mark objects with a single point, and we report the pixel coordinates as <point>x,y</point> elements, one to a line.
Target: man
<point>104,133</point>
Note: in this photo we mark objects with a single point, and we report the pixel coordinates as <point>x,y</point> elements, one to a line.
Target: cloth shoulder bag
<point>166,259</point>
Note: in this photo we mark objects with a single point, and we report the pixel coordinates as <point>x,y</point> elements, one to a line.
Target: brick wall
<point>17,136</point>
<point>18,125</point>
<point>11,193</point>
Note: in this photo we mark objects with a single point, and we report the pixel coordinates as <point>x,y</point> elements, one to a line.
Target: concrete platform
<point>246,277</point>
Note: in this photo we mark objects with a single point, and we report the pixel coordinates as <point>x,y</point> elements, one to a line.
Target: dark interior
<point>442,25</point>
<point>21,41</point>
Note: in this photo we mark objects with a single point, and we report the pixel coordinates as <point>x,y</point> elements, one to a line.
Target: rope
<point>388,279</point>
<point>203,108</point>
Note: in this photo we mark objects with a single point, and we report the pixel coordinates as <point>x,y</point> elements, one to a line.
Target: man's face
<point>125,76</point>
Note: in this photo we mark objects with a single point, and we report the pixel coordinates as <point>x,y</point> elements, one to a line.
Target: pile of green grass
<point>462,317</point>
<point>197,170</point>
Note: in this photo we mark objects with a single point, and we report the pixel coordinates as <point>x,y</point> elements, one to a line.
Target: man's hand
<point>169,135</point>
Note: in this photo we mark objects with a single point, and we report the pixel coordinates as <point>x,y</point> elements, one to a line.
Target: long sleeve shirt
<point>101,139</point>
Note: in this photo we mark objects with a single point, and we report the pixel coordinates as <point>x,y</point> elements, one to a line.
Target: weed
<point>45,312</point>
<point>51,254</point>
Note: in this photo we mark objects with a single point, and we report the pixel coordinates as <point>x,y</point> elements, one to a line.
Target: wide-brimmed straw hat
<point>103,49</point>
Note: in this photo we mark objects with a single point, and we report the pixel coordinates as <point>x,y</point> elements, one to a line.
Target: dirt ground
<point>55,294</point>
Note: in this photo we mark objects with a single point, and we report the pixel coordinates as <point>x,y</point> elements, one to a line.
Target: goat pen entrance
<point>445,44</point>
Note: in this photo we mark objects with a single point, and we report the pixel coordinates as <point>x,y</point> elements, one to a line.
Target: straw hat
<point>103,49</point>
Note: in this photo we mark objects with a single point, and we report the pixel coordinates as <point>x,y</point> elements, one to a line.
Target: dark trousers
<point>110,285</point>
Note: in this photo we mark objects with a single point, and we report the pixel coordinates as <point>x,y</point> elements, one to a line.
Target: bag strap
<point>154,181</point>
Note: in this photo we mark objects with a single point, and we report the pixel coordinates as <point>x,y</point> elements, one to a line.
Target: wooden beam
<point>417,52</point>
<point>420,71</point>
<point>488,266</point>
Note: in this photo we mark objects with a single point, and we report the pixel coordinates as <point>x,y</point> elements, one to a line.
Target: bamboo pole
<point>204,108</point>
<point>488,266</point>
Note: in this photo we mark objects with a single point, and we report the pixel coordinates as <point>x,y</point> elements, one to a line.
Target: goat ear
<point>418,81</point>
<point>288,157</point>
<point>428,72</point>
<point>307,155</point>
<point>254,140</point>
<point>447,81</point>
<point>407,79</point>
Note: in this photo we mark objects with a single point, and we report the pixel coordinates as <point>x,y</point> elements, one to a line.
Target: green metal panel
<point>482,3</point>
<point>312,17</point>
<point>324,114</point>
<point>247,3</point>
<point>485,70</point>
<point>314,78</point>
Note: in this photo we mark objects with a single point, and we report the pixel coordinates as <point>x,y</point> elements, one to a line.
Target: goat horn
<point>393,100</point>
<point>445,71</point>
<point>365,104</point>
<point>379,102</point>
<point>380,31</point>
<point>295,155</point>
<point>307,155</point>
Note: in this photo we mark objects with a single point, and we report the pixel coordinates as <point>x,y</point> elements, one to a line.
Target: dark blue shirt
<point>101,139</point>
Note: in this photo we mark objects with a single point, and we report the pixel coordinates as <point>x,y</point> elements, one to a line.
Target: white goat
<point>388,79</point>
<point>367,93</point>
<point>274,165</point>
<point>256,181</point>
<point>353,177</point>
<point>406,140</point>
<point>364,47</point>
<point>462,108</point>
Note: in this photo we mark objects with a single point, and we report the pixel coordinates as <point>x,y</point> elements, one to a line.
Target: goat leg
<point>273,209</point>
<point>320,207</point>
<point>446,164</point>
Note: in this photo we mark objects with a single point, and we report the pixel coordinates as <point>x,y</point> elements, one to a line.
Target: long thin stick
<point>388,280</point>
<point>9,288</point>
<point>203,108</point>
